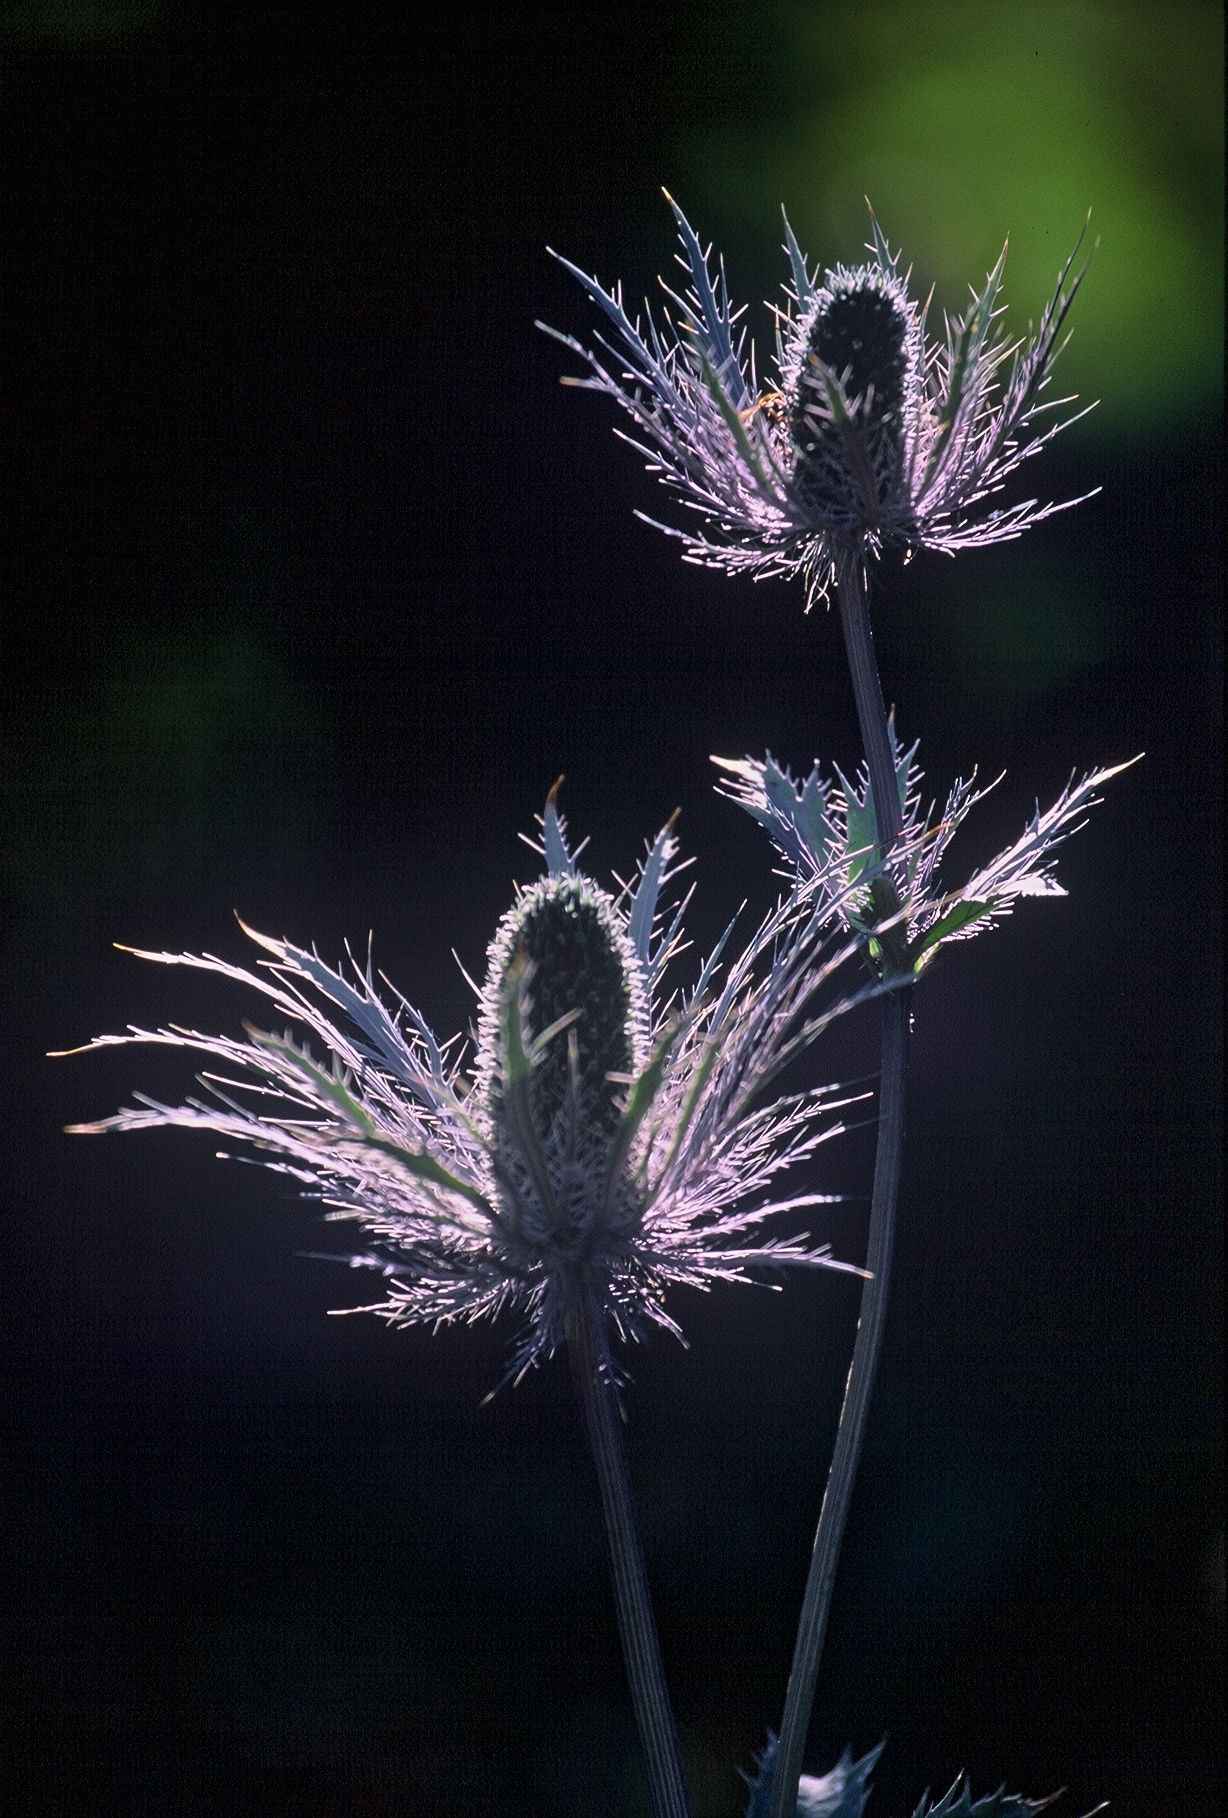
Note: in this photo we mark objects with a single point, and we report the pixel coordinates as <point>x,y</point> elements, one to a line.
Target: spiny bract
<point>827,832</point>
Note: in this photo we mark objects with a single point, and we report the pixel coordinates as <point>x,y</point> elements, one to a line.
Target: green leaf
<point>733,421</point>
<point>806,808</point>
<point>951,923</point>
<point>559,862</point>
<point>541,1042</point>
<point>881,250</point>
<point>517,1060</point>
<point>644,899</point>
<point>334,1087</point>
<point>711,1049</point>
<point>965,352</point>
<point>643,1092</point>
<point>517,1080</point>
<point>801,277</point>
<point>862,846</point>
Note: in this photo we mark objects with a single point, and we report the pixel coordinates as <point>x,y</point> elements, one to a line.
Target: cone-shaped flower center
<point>860,338</point>
<point>565,929</point>
<point>845,395</point>
<point>564,1026</point>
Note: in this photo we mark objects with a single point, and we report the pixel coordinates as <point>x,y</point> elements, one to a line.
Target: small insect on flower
<point>873,435</point>
<point>608,1142</point>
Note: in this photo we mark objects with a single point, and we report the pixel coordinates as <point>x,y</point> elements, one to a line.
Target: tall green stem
<point>812,1624</point>
<point>653,1713</point>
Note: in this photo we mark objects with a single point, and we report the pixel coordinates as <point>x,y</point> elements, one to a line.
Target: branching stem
<point>812,1624</point>
<point>653,1713</point>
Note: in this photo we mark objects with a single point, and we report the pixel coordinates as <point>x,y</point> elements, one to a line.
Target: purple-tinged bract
<point>827,832</point>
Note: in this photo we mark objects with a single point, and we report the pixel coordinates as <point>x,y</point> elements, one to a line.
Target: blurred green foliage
<point>1006,628</point>
<point>185,754</point>
<point>965,121</point>
<point>76,21</point>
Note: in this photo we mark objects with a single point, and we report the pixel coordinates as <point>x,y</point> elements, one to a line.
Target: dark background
<point>316,579</point>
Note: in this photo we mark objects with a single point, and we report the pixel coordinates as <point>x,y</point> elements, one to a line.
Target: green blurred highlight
<point>77,21</point>
<point>964,122</point>
<point>1005,628</point>
<point>1027,628</point>
<point>187,757</point>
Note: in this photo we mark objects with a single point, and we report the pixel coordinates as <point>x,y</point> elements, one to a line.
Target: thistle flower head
<point>827,832</point>
<point>564,943</point>
<point>607,1137</point>
<point>552,1103</point>
<point>873,435</point>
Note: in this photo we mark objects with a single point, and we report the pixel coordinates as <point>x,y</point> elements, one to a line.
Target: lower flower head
<point>605,1142</point>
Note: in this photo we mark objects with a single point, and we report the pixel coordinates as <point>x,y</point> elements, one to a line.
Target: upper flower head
<point>873,435</point>
<point>607,1139</point>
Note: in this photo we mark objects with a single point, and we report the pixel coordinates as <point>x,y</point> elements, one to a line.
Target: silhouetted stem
<point>653,1712</point>
<point>868,693</point>
<point>812,1623</point>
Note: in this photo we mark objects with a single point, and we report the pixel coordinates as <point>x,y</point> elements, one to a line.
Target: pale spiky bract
<point>828,833</point>
<point>958,1802</point>
<point>609,1140</point>
<point>873,435</point>
<point>841,1793</point>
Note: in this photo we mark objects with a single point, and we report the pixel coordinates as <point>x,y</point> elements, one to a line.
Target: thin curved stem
<point>816,1603</point>
<point>812,1623</point>
<point>653,1713</point>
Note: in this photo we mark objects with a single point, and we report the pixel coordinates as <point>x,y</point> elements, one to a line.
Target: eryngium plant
<point>841,1793</point>
<point>609,1136</point>
<point>610,1141</point>
<point>870,434</point>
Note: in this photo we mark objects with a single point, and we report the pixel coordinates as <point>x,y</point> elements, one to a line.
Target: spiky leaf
<point>959,1803</point>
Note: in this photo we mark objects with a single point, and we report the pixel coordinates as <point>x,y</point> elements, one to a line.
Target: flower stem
<point>812,1623</point>
<point>868,693</point>
<point>653,1713</point>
